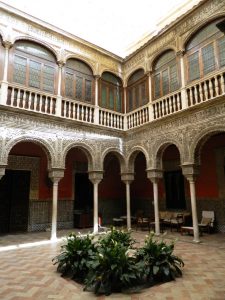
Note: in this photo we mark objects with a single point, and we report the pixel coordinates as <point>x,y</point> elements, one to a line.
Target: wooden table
<point>187,229</point>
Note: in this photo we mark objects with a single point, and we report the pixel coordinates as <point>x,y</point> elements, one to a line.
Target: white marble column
<point>95,177</point>
<point>4,84</point>
<point>127,178</point>
<point>59,93</point>
<point>150,97</point>
<point>184,99</point>
<point>154,175</point>
<point>2,171</point>
<point>125,106</point>
<point>56,175</point>
<point>96,111</point>
<point>191,171</point>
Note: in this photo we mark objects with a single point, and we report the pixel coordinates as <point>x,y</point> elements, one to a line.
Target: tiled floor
<point>26,271</point>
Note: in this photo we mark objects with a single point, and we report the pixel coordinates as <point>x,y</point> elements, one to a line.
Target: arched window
<point>111,92</point>
<point>137,91</point>
<point>205,52</point>
<point>79,81</point>
<point>165,74</point>
<point>34,66</point>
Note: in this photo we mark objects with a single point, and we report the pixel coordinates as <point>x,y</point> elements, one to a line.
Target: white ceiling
<point>113,25</point>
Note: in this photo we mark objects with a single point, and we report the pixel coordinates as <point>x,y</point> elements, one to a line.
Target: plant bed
<point>113,264</point>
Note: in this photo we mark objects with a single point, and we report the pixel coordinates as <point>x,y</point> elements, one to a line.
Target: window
<point>205,52</point>
<point>111,92</point>
<point>34,66</point>
<point>137,92</point>
<point>79,81</point>
<point>165,75</point>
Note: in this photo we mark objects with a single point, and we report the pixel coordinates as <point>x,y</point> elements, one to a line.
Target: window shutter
<point>208,59</point>
<point>48,78</point>
<point>193,66</point>
<point>19,72</point>
<point>157,85</point>
<point>79,82</point>
<point>221,46</point>
<point>88,89</point>
<point>165,82</point>
<point>173,78</point>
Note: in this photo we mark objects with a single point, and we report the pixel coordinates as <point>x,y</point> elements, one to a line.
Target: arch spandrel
<point>132,154</point>
<point>48,149</point>
<point>88,151</point>
<point>198,141</point>
<point>119,156</point>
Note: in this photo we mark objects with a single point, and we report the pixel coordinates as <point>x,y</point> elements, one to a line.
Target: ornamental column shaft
<point>95,177</point>
<point>154,175</point>
<point>96,111</point>
<point>4,84</point>
<point>191,171</point>
<point>184,100</point>
<point>127,178</point>
<point>56,175</point>
<point>59,95</point>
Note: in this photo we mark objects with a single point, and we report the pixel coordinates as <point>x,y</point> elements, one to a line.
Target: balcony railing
<point>75,110</point>
<point>138,117</point>
<point>30,99</point>
<point>193,94</point>
<point>167,105</point>
<point>111,119</point>
<point>206,89</point>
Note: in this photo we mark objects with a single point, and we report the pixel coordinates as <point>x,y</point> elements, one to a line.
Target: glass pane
<point>136,92</point>
<point>118,99</point>
<point>165,59</point>
<point>19,71</point>
<point>48,78</point>
<point>36,50</point>
<point>221,46</point>
<point>69,85</point>
<point>130,99</point>
<point>193,66</point>
<point>79,66</point>
<point>88,89</point>
<point>111,78</point>
<point>173,78</point>
<point>208,59</point>
<point>104,95</point>
<point>35,74</point>
<point>79,82</point>
<point>143,93</point>
<point>165,82</point>
<point>111,99</point>
<point>136,76</point>
<point>157,85</point>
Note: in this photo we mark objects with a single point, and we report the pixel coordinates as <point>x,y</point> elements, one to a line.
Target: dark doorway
<point>14,201</point>
<point>174,185</point>
<point>83,192</point>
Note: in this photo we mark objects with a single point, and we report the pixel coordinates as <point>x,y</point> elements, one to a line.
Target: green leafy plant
<point>160,263</point>
<point>120,236</point>
<point>75,255</point>
<point>112,269</point>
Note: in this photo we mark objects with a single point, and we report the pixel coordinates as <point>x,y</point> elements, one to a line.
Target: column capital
<point>95,176</point>
<point>7,44</point>
<point>61,63</point>
<point>127,177</point>
<point>56,174</point>
<point>190,171</point>
<point>97,77</point>
<point>2,170</point>
<point>180,53</point>
<point>149,73</point>
<point>154,174</point>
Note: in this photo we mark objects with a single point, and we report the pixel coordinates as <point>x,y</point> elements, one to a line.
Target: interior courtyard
<point>91,139</point>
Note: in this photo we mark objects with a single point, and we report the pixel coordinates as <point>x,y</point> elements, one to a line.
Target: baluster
<point>18,97</point>
<point>24,100</point>
<point>104,118</point>
<point>205,88</point>
<point>201,93</point>
<point>69,109</point>
<point>12,97</point>
<point>191,97</point>
<point>51,105</point>
<point>46,104</point>
<point>196,94</point>
<point>210,89</point>
<point>222,83</point>
<point>29,104</point>
<point>35,101</point>
<point>216,86</point>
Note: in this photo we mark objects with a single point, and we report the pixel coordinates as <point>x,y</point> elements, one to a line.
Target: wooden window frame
<point>211,40</point>
<point>165,67</point>
<point>132,87</point>
<point>114,87</point>
<point>41,61</point>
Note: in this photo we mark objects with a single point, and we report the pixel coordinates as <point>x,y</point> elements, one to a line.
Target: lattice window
<point>79,83</point>
<point>35,74</point>
<point>19,72</point>
<point>111,99</point>
<point>157,85</point>
<point>173,78</point>
<point>35,50</point>
<point>118,100</point>
<point>165,82</point>
<point>143,93</point>
<point>221,48</point>
<point>69,85</point>
<point>130,99</point>
<point>104,96</point>
<point>88,90</point>
<point>208,59</point>
<point>48,78</point>
<point>193,66</point>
